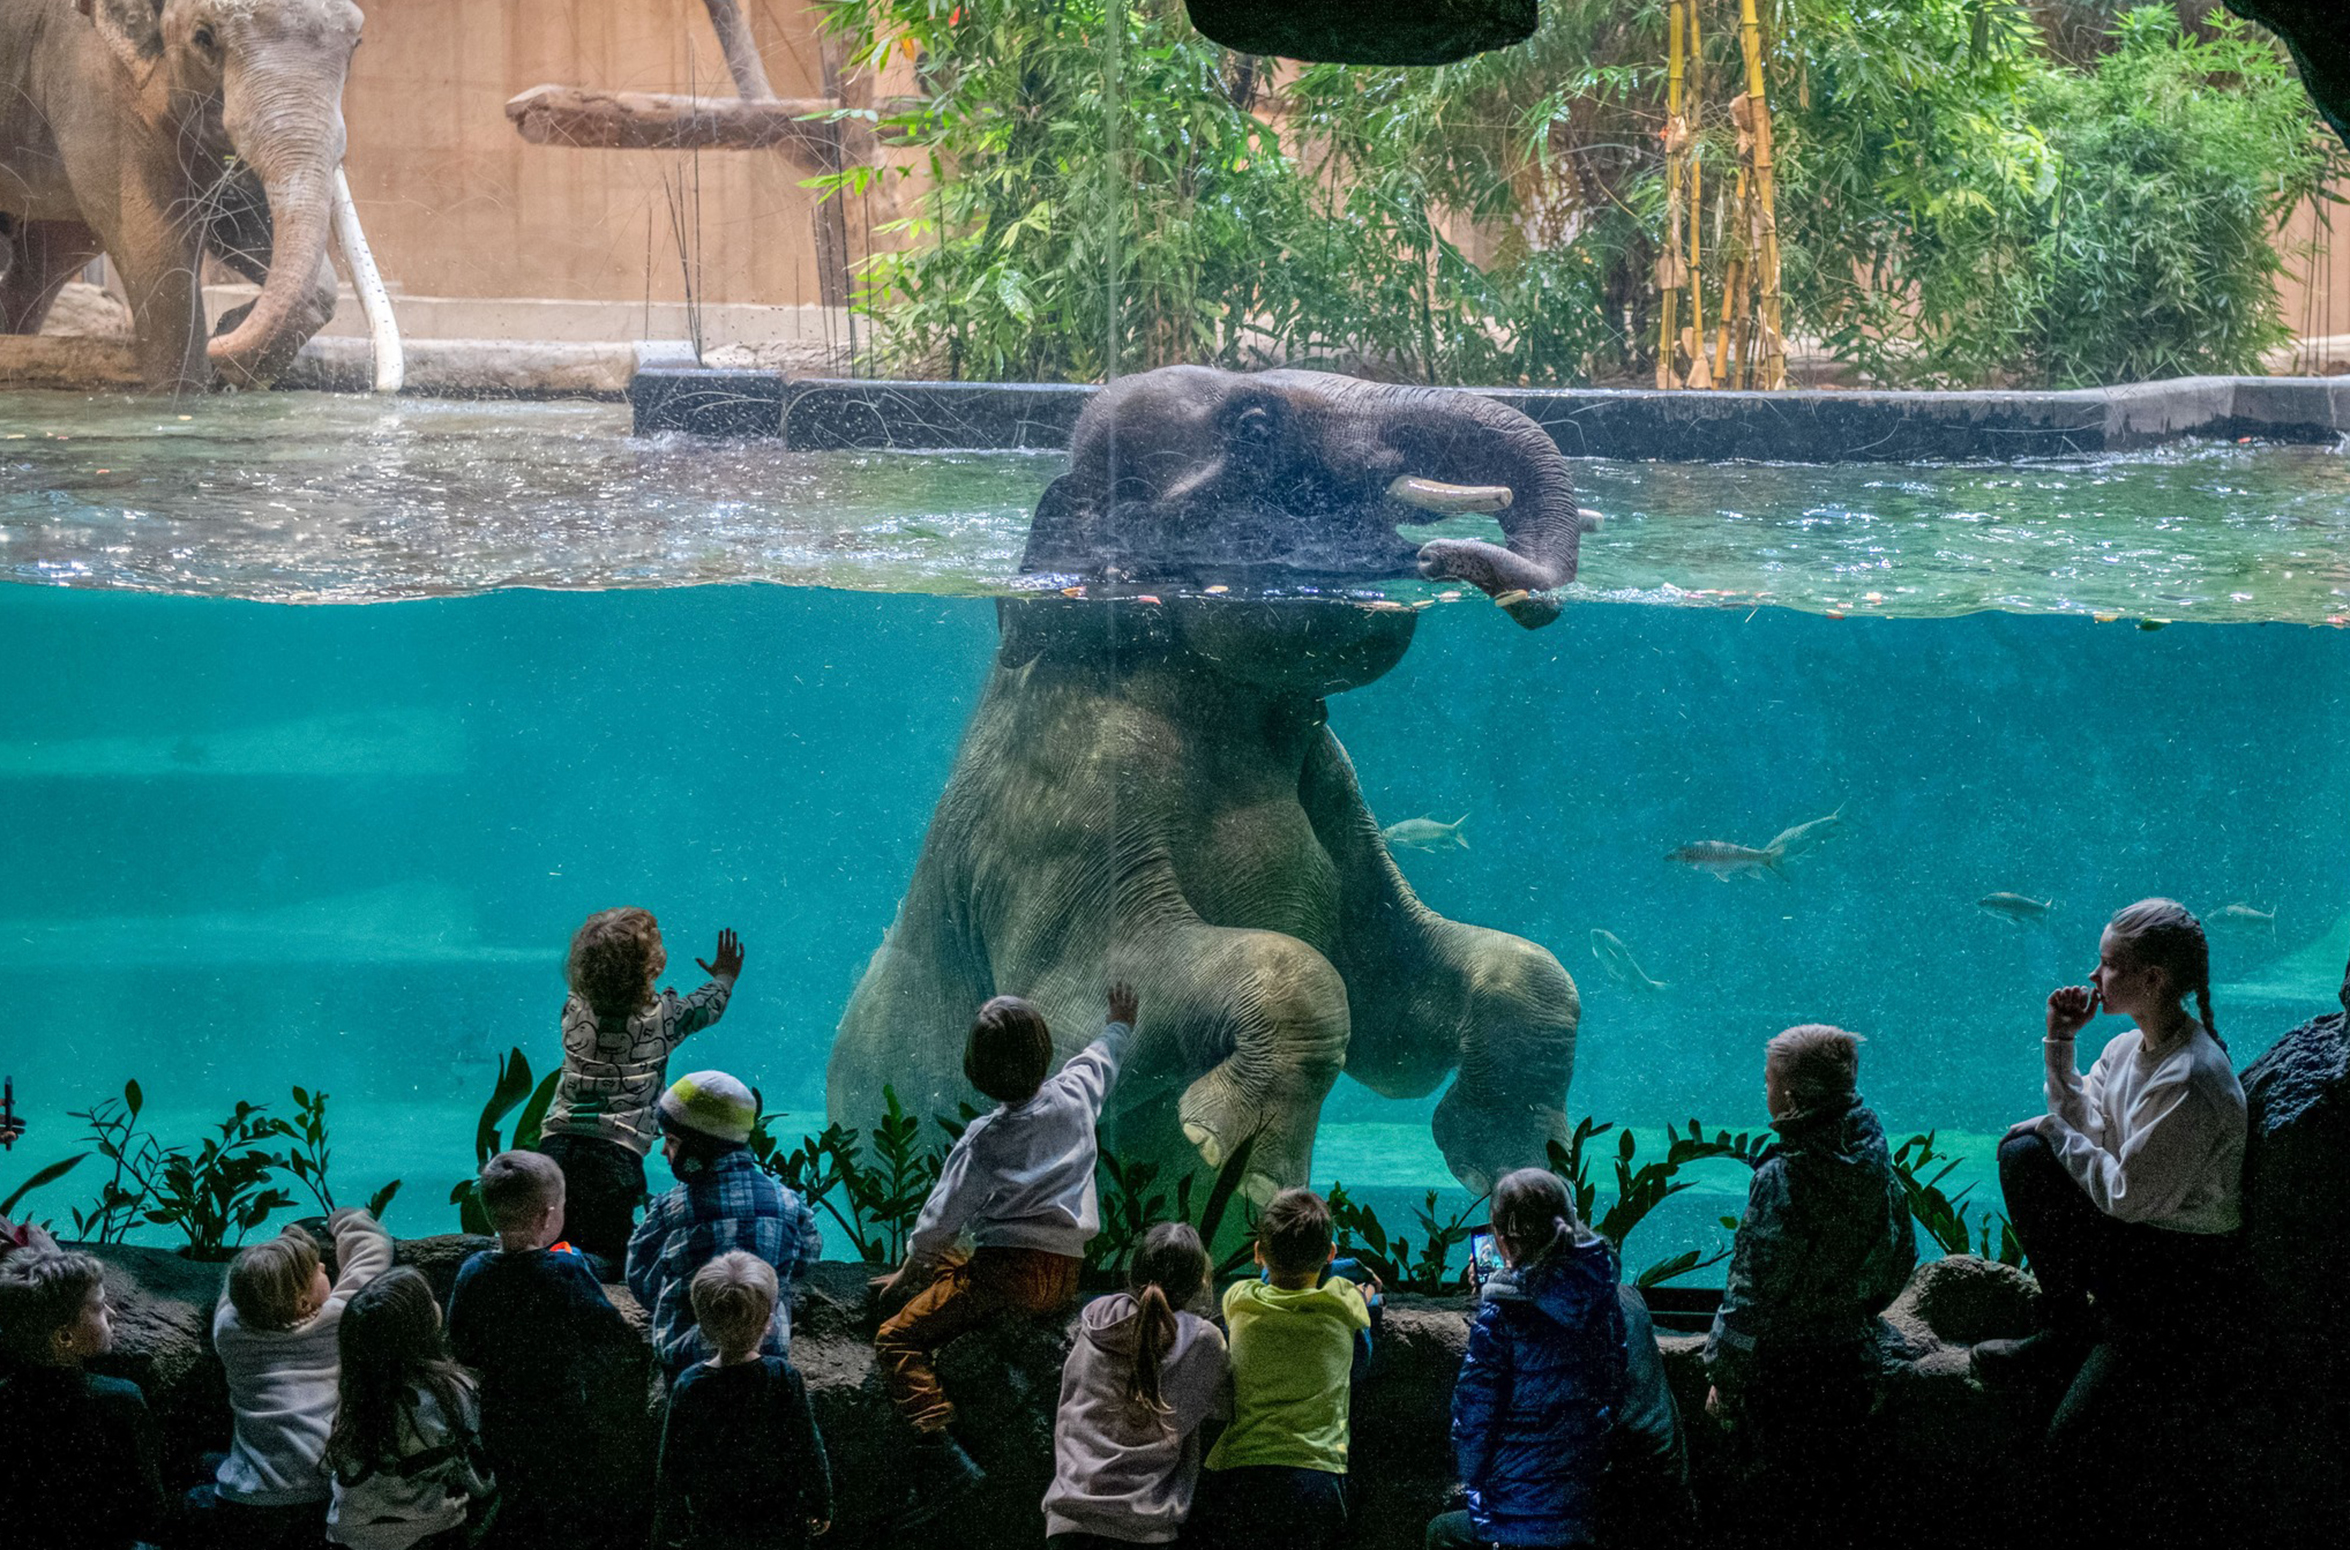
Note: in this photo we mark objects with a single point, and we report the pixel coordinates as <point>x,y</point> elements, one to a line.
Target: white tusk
<point>1589,519</point>
<point>391,366</point>
<point>1434,495</point>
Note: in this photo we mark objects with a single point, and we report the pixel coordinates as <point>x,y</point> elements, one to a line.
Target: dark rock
<point>1422,32</point>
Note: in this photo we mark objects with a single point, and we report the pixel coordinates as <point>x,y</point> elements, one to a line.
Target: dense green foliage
<point>1957,204</point>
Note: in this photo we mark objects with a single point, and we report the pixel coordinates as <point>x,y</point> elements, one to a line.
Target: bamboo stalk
<point>1668,335</point>
<point>1773,368</point>
<point>1699,376</point>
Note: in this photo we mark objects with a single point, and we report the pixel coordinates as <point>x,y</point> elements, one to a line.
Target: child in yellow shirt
<point>1278,1474</point>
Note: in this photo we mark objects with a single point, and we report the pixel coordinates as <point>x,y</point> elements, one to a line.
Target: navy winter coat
<point>1537,1396</point>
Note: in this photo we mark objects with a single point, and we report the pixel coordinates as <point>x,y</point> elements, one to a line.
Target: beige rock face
<point>84,311</point>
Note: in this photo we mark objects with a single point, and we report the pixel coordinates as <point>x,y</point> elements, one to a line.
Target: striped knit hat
<point>710,1103</point>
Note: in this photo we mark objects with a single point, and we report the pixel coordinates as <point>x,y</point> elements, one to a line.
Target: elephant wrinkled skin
<point>159,132</point>
<point>1149,790</point>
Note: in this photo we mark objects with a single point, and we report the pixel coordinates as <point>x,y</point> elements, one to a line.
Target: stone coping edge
<point>1803,426</point>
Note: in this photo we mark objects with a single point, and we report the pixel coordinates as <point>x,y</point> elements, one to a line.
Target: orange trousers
<point>992,1285</point>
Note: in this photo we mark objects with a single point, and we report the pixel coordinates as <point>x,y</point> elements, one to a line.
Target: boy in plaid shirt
<point>723,1201</point>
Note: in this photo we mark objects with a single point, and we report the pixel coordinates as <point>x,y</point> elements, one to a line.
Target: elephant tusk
<point>1450,499</point>
<point>391,366</point>
<point>1590,520</point>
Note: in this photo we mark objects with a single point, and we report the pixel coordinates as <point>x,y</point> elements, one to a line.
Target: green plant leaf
<point>49,1175</point>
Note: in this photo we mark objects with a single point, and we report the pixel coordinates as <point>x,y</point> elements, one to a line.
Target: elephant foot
<point>1486,1136</point>
<point>1219,1120</point>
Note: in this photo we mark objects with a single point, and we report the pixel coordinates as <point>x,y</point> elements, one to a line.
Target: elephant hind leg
<point>1271,1014</point>
<point>1516,1044</point>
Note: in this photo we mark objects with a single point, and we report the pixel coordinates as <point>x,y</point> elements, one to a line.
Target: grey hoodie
<point>1121,1470</point>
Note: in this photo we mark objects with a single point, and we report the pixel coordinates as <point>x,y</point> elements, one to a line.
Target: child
<point>742,1463</point>
<point>78,1452</point>
<point>1021,1179</point>
<point>617,1035</point>
<point>1825,1244</point>
<point>526,1316</point>
<point>277,1331</point>
<point>1143,1375</point>
<point>2128,1198</point>
<point>406,1448</point>
<point>2130,1189</point>
<point>1545,1372</point>
<point>1278,1474</point>
<point>723,1200</point>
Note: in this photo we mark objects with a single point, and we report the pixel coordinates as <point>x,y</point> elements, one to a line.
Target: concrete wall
<point>457,204</point>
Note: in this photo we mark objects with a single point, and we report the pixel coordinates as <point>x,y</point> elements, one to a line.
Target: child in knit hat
<point>723,1201</point>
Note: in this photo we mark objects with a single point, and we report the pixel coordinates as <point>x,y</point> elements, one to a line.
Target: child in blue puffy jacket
<point>1546,1369</point>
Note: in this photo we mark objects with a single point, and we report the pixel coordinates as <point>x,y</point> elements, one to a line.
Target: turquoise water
<point>252,844</point>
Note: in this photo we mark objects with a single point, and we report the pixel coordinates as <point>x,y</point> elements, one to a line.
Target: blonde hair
<point>734,1300</point>
<point>2164,934</point>
<point>517,1188</point>
<point>1820,1064</point>
<point>269,1282</point>
<point>615,957</point>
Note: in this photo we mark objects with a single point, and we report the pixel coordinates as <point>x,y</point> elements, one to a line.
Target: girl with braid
<point>2128,1197</point>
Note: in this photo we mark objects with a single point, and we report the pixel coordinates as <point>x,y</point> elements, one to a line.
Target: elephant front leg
<point>1266,1015</point>
<point>40,257</point>
<point>167,310</point>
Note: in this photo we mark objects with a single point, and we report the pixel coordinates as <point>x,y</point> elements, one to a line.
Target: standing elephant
<point>1149,789</point>
<point>157,131</point>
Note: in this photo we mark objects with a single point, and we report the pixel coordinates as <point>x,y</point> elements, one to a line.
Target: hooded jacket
<point>1120,1470</point>
<point>1537,1397</point>
<point>1825,1244</point>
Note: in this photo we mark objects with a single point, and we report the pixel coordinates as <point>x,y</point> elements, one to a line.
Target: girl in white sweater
<point>2128,1193</point>
<point>406,1450</point>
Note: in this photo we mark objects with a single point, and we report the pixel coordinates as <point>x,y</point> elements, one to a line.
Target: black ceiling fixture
<point>2314,30</point>
<point>1365,32</point>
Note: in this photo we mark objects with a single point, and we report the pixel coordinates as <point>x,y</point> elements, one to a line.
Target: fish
<point>1725,860</point>
<point>1808,836</point>
<point>1621,966</point>
<point>1427,834</point>
<point>2246,915</point>
<point>2015,908</point>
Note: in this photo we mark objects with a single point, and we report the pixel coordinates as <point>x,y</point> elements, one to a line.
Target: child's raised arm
<point>708,1002</point>
<point>1093,1070</point>
<point>363,1251</point>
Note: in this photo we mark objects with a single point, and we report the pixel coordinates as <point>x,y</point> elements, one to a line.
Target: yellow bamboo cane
<point>1668,289</point>
<point>1772,371</point>
<point>1699,377</point>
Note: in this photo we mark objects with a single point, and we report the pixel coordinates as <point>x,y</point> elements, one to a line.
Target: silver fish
<point>1427,834</point>
<point>1621,966</point>
<point>2245,915</point>
<point>1725,860</point>
<point>2015,908</point>
<point>1808,836</point>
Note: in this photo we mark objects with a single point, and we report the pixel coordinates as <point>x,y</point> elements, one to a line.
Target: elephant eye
<point>204,39</point>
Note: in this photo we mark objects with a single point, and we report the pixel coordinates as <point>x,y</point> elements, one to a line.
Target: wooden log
<point>658,121</point>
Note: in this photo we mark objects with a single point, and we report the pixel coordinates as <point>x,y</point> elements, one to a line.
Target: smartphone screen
<point>1484,1256</point>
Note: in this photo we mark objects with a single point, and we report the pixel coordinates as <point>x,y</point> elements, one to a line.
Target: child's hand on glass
<point>730,957</point>
<point>1124,1003</point>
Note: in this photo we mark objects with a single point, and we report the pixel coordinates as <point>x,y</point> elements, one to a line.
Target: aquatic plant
<point>1642,1187</point>
<point>310,1155</point>
<point>221,1188</point>
<point>1426,1270</point>
<point>876,1203</point>
<point>512,1086</point>
<point>136,1157</point>
<point>1948,1219</point>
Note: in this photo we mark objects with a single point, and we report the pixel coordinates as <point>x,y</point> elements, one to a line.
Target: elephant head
<point>1193,474</point>
<point>265,77</point>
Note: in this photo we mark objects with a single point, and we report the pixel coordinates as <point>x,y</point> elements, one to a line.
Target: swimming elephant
<point>1149,788</point>
<point>157,131</point>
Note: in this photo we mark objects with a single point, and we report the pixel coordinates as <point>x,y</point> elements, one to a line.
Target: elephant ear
<point>132,28</point>
<point>1058,536</point>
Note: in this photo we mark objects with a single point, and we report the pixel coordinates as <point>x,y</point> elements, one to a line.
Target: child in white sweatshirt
<point>1021,1181</point>
<point>1144,1374</point>
<point>275,1331</point>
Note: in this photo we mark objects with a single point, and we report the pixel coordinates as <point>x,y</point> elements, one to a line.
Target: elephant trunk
<point>291,133</point>
<point>1460,451</point>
